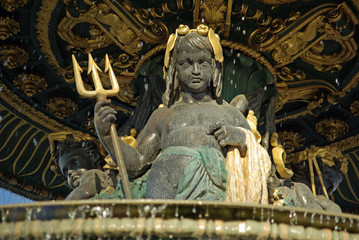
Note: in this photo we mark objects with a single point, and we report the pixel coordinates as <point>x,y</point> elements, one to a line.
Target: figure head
<point>193,62</point>
<point>74,153</point>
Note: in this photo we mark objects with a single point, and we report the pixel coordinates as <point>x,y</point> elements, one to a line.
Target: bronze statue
<point>79,158</point>
<point>186,141</point>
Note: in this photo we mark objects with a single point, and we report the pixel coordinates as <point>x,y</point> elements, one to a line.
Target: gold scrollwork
<point>11,5</point>
<point>308,36</point>
<point>30,83</point>
<point>13,56</point>
<point>286,74</point>
<point>332,128</point>
<point>8,27</point>
<point>61,107</point>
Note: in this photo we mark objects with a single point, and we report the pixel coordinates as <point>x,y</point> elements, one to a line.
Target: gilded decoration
<point>276,2</point>
<point>61,107</point>
<point>30,83</point>
<point>89,124</point>
<point>279,157</point>
<point>291,140</point>
<point>25,109</point>
<point>13,56</point>
<point>111,23</point>
<point>354,108</point>
<point>326,153</point>
<point>332,128</point>
<point>308,35</point>
<point>213,13</point>
<point>11,5</point>
<point>8,27</point>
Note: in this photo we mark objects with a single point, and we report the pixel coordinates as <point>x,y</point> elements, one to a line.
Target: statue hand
<point>228,135</point>
<point>105,115</point>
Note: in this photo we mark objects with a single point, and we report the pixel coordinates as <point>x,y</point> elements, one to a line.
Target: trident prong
<point>100,93</point>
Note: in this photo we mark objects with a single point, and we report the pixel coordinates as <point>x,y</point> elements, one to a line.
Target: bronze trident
<point>100,93</point>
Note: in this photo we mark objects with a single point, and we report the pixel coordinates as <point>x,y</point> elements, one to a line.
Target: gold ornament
<point>332,128</point>
<point>212,12</point>
<point>61,107</point>
<point>30,83</point>
<point>11,5</point>
<point>354,108</point>
<point>8,27</point>
<point>306,39</point>
<point>13,56</point>
<point>291,140</point>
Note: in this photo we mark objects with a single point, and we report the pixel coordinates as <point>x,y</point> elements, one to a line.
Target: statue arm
<point>147,149</point>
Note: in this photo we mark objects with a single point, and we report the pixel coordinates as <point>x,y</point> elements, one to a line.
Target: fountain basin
<point>162,219</point>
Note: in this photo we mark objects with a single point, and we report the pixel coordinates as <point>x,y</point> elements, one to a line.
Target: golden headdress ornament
<point>202,30</point>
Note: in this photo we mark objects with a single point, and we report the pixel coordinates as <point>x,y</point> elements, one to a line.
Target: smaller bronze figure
<point>79,158</point>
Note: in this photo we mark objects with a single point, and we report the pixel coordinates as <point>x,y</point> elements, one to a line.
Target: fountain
<point>241,210</point>
<point>166,219</point>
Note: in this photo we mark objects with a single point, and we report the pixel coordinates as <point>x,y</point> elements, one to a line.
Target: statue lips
<point>196,80</point>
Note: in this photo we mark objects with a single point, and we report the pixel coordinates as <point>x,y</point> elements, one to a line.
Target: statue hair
<point>173,90</point>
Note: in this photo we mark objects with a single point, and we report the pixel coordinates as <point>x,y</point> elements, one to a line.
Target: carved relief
<point>8,27</point>
<point>11,5</point>
<point>12,56</point>
<point>332,128</point>
<point>61,107</point>
<point>110,23</point>
<point>213,12</point>
<point>354,108</point>
<point>30,83</point>
<point>309,36</point>
<point>291,140</point>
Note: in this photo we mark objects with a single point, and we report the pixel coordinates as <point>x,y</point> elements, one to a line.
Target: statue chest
<point>199,116</point>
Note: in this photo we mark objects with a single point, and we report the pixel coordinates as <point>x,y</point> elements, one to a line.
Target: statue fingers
<point>103,112</point>
<point>101,104</point>
<point>220,133</point>
<point>214,127</point>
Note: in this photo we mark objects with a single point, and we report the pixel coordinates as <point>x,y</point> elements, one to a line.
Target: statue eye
<point>204,62</point>
<point>184,63</point>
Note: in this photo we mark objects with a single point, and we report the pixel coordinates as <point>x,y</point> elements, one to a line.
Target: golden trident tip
<point>99,92</point>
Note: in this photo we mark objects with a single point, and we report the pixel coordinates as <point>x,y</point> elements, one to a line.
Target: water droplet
<point>194,209</point>
<point>243,18</point>
<point>34,141</point>
<point>25,67</point>
<point>244,32</point>
<point>0,118</point>
<point>1,87</point>
<point>265,88</point>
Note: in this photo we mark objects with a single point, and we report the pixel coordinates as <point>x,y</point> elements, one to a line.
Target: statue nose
<point>195,69</point>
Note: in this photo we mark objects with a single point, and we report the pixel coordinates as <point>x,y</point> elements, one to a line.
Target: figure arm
<point>148,142</point>
<point>88,188</point>
<point>231,134</point>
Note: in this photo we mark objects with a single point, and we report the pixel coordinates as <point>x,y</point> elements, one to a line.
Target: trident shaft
<point>100,93</point>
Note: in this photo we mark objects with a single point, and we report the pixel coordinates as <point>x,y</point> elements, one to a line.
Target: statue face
<point>74,163</point>
<point>194,68</point>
